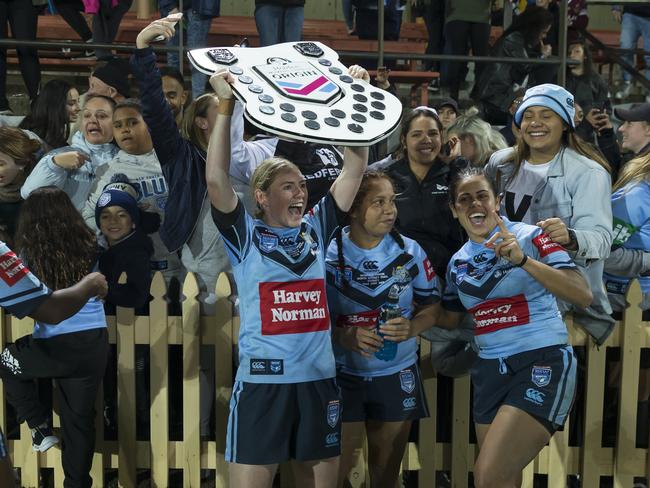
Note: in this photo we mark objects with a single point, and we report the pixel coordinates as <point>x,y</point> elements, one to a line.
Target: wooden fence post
<point>191,408</point>
<point>428,427</point>
<point>629,391</point>
<point>159,367</point>
<point>223,352</point>
<point>125,318</point>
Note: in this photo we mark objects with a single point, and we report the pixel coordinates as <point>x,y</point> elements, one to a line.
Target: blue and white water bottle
<point>389,310</point>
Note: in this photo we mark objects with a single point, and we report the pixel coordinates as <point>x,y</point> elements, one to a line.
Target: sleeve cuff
<point>54,167</point>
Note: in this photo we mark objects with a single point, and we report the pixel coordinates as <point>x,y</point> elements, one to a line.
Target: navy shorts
<point>272,423</point>
<point>541,382</point>
<point>392,398</point>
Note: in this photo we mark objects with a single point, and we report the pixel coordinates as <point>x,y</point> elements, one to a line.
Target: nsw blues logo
<point>333,413</point>
<point>461,271</point>
<point>268,242</point>
<point>407,380</point>
<point>300,81</point>
<point>541,375</point>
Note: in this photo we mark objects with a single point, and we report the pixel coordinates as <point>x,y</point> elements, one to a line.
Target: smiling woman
<point>555,180</point>
<point>286,366</point>
<point>508,276</point>
<point>72,168</point>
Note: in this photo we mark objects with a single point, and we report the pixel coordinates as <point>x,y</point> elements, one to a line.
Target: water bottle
<point>389,310</point>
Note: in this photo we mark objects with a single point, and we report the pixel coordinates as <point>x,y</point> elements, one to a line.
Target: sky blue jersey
<point>512,311</point>
<point>631,212</point>
<point>20,291</point>
<point>284,335</point>
<point>357,290</point>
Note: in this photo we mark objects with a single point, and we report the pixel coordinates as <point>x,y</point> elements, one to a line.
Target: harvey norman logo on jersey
<point>293,308</point>
<point>500,313</point>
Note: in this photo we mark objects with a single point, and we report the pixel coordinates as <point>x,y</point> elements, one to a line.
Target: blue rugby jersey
<point>370,273</point>
<point>284,335</point>
<point>20,291</point>
<point>512,311</point>
<point>631,212</point>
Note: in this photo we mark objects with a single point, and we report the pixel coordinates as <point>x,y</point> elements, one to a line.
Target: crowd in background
<point>118,168</point>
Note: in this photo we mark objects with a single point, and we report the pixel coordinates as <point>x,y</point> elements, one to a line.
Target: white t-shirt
<point>520,190</point>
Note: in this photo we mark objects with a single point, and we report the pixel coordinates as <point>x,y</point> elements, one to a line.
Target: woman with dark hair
<point>420,176</point>
<point>18,155</point>
<point>510,277</point>
<point>555,180</point>
<point>55,108</point>
<point>588,87</point>
<point>500,82</point>
<point>55,242</point>
<point>368,266</point>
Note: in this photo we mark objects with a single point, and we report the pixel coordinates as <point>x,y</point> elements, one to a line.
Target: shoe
<point>625,91</point>
<point>43,438</point>
<point>434,85</point>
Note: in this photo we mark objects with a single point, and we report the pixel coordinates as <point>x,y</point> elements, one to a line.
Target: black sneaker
<point>434,85</point>
<point>43,438</point>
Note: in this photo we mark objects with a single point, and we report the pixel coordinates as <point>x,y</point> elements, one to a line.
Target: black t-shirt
<point>423,212</point>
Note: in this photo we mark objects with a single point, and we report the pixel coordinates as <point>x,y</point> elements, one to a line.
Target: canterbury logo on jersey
<point>500,313</point>
<point>359,319</point>
<point>294,307</point>
<point>545,245</point>
<point>12,268</point>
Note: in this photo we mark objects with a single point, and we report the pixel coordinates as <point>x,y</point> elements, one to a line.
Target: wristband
<point>523,261</point>
<point>226,106</point>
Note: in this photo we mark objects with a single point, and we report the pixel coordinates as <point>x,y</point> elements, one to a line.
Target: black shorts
<point>540,382</point>
<point>272,423</point>
<point>392,398</point>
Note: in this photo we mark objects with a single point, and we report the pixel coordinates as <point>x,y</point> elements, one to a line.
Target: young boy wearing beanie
<point>129,248</point>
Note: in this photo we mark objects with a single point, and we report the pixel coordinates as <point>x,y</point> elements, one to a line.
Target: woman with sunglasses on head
<point>285,380</point>
<point>555,180</point>
<point>508,276</point>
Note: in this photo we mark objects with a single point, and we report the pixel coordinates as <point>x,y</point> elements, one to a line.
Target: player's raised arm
<point>344,189</point>
<point>217,166</point>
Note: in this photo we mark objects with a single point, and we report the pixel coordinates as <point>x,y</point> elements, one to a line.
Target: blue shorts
<point>270,423</point>
<point>541,382</point>
<point>392,398</point>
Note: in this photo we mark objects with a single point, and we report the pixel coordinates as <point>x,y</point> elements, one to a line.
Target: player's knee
<point>489,476</point>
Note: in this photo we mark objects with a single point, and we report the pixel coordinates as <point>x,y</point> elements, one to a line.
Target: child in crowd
<point>53,239</point>
<point>129,249</point>
<point>73,168</point>
<point>18,154</point>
